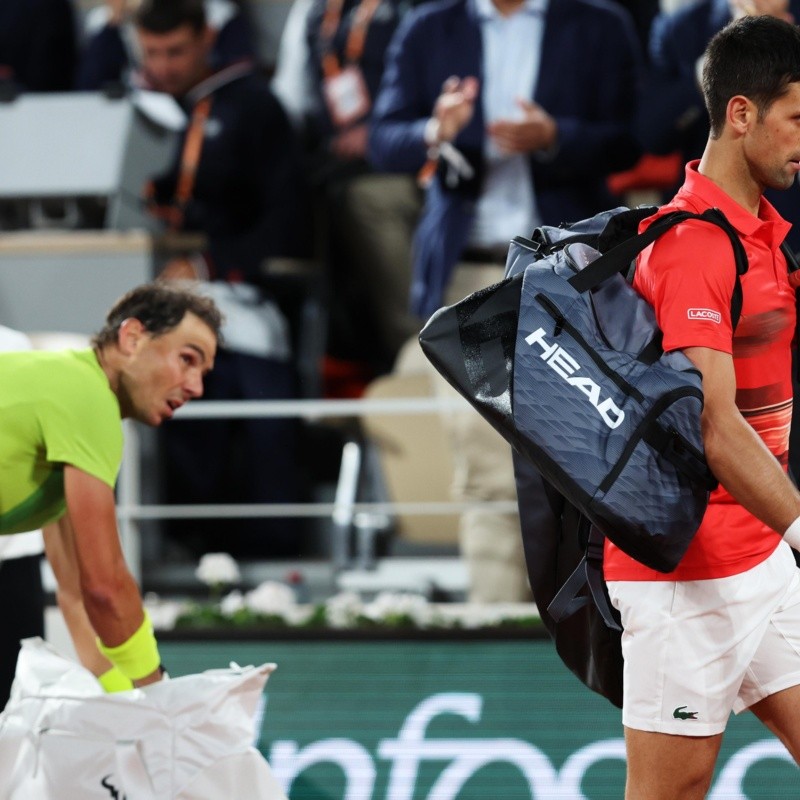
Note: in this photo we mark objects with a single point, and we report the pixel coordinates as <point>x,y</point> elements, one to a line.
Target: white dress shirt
<point>512,48</point>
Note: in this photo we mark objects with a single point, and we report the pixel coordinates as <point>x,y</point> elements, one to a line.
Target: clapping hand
<point>454,107</point>
<point>536,130</point>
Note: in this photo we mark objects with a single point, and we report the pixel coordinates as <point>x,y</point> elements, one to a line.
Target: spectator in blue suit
<point>516,111</point>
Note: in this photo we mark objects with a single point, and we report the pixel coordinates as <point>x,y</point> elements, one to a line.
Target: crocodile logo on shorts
<point>679,713</point>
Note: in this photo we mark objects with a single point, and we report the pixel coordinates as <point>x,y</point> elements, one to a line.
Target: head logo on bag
<point>563,364</point>
<point>112,790</point>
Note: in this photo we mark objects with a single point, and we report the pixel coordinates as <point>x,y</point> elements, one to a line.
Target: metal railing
<point>345,511</point>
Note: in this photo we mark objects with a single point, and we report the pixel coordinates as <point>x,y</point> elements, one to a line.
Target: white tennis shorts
<point>696,650</point>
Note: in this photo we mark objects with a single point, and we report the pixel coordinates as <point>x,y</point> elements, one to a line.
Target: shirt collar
<point>486,10</point>
<point>747,224</point>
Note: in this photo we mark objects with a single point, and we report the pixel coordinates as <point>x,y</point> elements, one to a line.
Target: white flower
<point>388,604</point>
<point>163,613</point>
<point>217,568</point>
<point>443,617</point>
<point>271,597</point>
<point>343,609</point>
<point>232,603</point>
<point>298,615</point>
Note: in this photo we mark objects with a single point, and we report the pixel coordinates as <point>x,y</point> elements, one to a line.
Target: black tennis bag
<point>564,359</point>
<point>564,558</point>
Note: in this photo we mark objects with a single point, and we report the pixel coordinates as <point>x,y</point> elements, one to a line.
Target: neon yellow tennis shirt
<point>56,408</point>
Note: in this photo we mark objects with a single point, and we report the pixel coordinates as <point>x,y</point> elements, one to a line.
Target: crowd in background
<point>400,144</point>
<point>365,213</point>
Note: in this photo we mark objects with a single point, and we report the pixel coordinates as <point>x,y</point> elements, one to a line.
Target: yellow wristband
<point>138,657</point>
<point>114,681</point>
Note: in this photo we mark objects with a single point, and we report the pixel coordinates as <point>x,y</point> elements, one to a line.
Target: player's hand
<point>154,677</point>
<point>536,130</point>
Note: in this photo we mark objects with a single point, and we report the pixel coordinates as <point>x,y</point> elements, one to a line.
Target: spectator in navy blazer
<point>521,109</point>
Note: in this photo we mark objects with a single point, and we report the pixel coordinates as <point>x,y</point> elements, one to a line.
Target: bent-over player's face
<point>774,142</point>
<point>167,371</point>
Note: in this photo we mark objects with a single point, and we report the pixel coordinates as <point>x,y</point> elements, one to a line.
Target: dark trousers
<point>22,601</point>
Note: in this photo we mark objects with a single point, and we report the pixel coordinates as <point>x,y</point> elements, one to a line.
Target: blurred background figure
<point>111,55</point>
<point>329,67</point>
<point>21,592</point>
<point>38,45</point>
<point>672,116</point>
<point>642,13</point>
<point>487,102</point>
<point>236,180</point>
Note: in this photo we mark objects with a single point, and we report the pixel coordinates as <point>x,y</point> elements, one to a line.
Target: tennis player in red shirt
<point>722,632</point>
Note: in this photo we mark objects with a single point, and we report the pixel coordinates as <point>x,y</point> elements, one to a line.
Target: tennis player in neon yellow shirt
<point>60,452</point>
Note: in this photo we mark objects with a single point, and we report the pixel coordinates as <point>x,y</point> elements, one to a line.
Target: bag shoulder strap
<point>792,263</point>
<point>619,258</point>
<point>589,573</point>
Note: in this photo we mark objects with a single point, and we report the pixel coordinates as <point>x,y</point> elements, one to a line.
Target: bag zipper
<point>658,408</point>
<point>563,324</point>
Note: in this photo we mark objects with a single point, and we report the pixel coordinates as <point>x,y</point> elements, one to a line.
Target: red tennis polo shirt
<point>688,276</point>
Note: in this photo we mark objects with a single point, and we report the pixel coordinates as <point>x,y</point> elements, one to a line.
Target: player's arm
<point>59,545</point>
<point>737,456</point>
<point>110,595</point>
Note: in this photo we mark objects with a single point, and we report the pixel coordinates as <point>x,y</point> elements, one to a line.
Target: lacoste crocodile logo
<point>679,713</point>
<point>112,790</point>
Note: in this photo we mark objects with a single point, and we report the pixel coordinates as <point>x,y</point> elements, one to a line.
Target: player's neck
<point>106,364</point>
<point>721,165</point>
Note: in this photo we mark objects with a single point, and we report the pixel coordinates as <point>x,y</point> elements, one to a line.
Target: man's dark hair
<point>160,307</point>
<point>757,57</point>
<point>164,16</point>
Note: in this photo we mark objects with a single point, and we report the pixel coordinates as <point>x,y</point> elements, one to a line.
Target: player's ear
<point>131,334</point>
<point>742,113</point>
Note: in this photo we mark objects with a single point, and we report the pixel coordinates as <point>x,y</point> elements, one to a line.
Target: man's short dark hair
<point>164,16</point>
<point>757,57</point>
<point>160,307</point>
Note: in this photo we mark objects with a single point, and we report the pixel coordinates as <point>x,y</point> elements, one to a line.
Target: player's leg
<point>664,766</point>
<point>771,687</point>
<point>780,712</point>
<point>688,647</point>
<point>673,728</point>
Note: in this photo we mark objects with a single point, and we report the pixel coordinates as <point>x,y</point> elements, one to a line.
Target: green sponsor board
<point>455,720</point>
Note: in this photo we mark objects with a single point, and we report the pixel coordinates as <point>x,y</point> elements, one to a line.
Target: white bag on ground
<point>189,738</point>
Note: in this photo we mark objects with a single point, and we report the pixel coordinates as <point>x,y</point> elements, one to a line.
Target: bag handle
<point>619,258</point>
